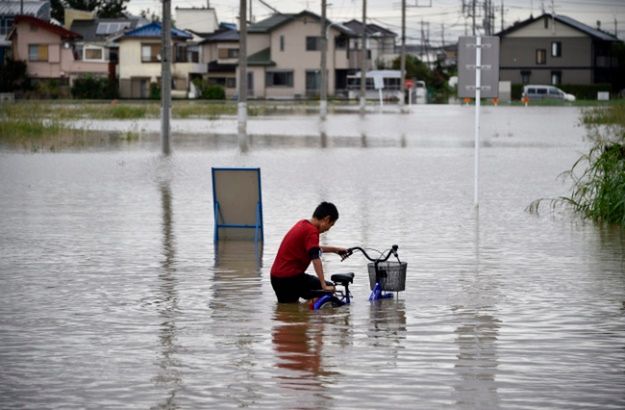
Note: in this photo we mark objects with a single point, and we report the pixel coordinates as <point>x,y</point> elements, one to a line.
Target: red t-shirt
<point>293,256</point>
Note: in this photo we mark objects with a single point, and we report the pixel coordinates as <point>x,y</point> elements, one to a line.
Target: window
<point>556,49</point>
<point>541,56</point>
<point>93,53</point>
<point>340,43</point>
<point>5,25</point>
<point>556,77</point>
<point>231,82</point>
<point>313,43</point>
<point>37,52</point>
<point>282,42</point>
<point>279,79</point>
<point>227,53</point>
<point>150,53</point>
<point>525,76</point>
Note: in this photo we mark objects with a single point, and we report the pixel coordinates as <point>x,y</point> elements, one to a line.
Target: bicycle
<point>383,276</point>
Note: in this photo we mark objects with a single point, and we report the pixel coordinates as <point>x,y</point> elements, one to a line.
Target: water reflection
<point>323,133</point>
<point>298,345</point>
<point>387,327</point>
<point>476,336</point>
<point>169,374</point>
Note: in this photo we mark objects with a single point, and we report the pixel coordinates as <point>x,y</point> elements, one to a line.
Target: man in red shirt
<point>298,249</point>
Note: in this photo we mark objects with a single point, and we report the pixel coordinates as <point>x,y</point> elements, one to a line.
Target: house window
<point>5,25</point>
<point>556,77</point>
<point>282,42</point>
<point>279,79</point>
<point>37,52</point>
<point>541,56</point>
<point>150,53</point>
<point>93,54</point>
<point>525,76</point>
<point>340,43</point>
<point>556,49</point>
<point>231,82</point>
<point>227,53</point>
<point>313,43</point>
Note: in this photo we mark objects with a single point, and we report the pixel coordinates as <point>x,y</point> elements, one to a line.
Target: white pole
<point>381,99</point>
<point>478,81</point>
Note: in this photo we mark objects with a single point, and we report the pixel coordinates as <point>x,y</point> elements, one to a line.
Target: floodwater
<point>114,295</point>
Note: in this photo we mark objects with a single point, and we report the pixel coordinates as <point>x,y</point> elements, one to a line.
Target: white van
<point>540,92</point>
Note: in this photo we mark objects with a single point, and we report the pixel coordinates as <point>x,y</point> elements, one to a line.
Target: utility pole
<point>242,105</point>
<point>323,92</point>
<point>402,64</point>
<point>473,12</point>
<point>502,11</point>
<point>166,78</point>
<point>363,59</point>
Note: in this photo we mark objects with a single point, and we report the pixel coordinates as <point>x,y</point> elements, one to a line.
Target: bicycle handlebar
<point>382,258</point>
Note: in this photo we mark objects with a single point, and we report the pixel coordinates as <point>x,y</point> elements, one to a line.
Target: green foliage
<point>599,176</point>
<point>95,88</point>
<point>103,8</point>
<point>12,75</point>
<point>436,80</point>
<point>48,89</point>
<point>155,91</point>
<point>210,91</point>
<point>584,92</point>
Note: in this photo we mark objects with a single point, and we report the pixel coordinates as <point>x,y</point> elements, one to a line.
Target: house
<point>554,49</point>
<point>97,48</point>
<point>284,56</point>
<point>380,43</point>
<point>220,52</point>
<point>9,9</point>
<point>140,61</point>
<point>48,49</point>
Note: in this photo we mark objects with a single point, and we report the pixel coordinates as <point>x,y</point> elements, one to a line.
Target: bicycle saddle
<point>343,278</point>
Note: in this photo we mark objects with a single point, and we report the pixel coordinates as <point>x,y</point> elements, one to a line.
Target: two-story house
<point>220,52</point>
<point>48,49</point>
<point>553,49</point>
<point>9,9</point>
<point>96,50</point>
<point>380,43</point>
<point>140,61</point>
<point>284,56</point>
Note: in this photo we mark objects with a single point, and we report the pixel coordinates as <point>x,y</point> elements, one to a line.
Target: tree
<point>103,8</point>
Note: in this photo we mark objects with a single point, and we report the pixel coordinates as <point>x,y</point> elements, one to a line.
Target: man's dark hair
<point>326,209</point>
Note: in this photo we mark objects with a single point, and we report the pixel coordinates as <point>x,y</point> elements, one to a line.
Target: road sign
<point>489,67</point>
<point>409,84</point>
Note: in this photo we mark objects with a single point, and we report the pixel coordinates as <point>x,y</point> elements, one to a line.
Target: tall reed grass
<point>598,177</point>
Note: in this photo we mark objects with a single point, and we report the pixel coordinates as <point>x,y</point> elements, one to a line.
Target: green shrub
<point>210,91</point>
<point>94,88</point>
<point>585,92</point>
<point>155,91</point>
<point>12,75</point>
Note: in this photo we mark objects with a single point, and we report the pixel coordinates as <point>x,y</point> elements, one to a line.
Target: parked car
<point>541,92</point>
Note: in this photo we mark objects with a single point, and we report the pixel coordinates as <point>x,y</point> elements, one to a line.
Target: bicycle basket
<point>391,275</point>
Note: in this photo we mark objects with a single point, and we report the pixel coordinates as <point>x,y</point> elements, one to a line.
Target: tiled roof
<point>153,30</point>
<point>277,20</point>
<point>58,30</point>
<point>592,32</point>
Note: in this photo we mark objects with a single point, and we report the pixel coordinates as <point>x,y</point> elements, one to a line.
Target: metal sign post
<point>478,84</point>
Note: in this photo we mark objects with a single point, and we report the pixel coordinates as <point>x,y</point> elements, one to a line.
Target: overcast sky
<point>443,18</point>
